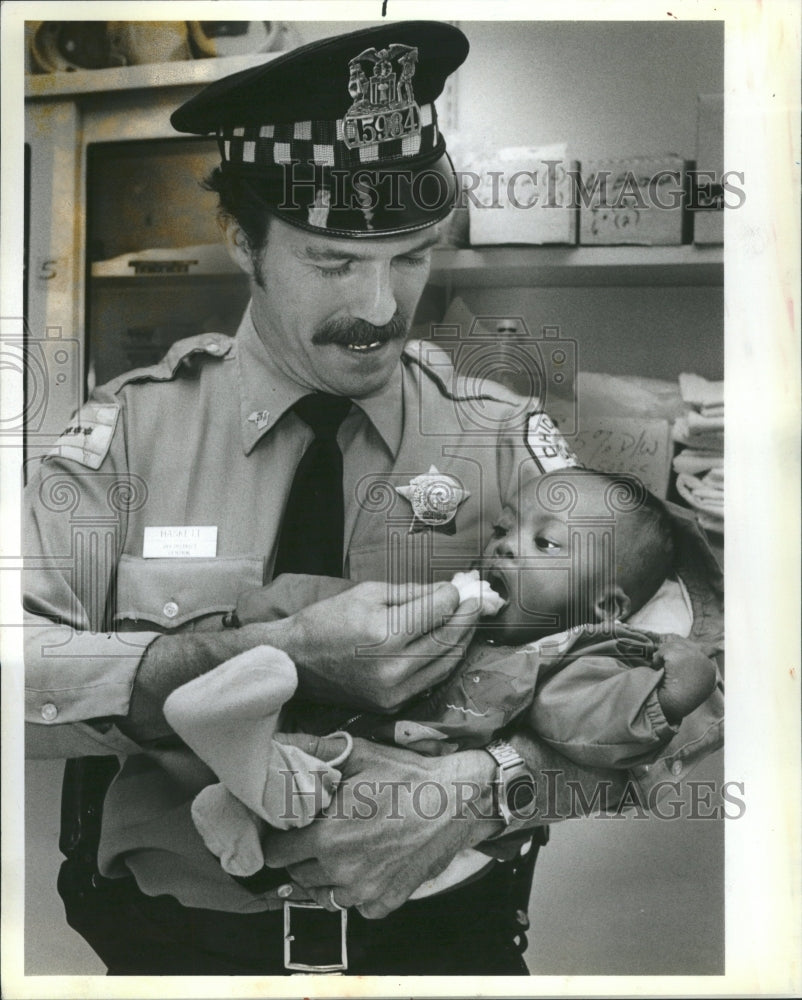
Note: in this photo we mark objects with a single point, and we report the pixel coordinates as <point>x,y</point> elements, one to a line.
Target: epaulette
<point>437,363</point>
<point>184,357</point>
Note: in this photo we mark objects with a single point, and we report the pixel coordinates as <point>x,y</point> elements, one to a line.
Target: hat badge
<point>384,105</point>
<point>435,497</point>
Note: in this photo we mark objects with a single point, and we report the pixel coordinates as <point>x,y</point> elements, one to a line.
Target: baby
<point>571,558</point>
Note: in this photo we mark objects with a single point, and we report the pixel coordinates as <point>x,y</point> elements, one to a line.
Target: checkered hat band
<point>321,143</point>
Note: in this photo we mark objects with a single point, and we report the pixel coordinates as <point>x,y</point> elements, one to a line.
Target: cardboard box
<point>521,194</point>
<point>634,200</point>
<point>708,213</point>
<point>636,446</point>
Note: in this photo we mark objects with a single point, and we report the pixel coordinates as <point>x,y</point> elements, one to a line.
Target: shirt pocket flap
<point>170,592</point>
<point>419,557</point>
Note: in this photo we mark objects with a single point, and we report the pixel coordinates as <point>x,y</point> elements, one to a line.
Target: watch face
<point>521,794</point>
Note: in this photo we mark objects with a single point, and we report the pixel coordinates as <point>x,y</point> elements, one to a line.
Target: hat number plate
<point>369,129</point>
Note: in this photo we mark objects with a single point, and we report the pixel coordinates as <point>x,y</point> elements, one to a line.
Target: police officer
<point>316,440</point>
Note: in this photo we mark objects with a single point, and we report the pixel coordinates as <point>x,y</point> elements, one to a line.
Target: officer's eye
<point>335,272</point>
<point>414,259</point>
<point>546,544</point>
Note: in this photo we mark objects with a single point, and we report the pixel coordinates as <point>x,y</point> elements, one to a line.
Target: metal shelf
<point>182,73</point>
<point>488,267</point>
<point>494,267</point>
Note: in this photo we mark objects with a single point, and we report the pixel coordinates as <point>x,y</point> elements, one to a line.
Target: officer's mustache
<point>360,332</point>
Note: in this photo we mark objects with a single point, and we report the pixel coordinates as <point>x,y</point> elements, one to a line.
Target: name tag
<point>180,542</point>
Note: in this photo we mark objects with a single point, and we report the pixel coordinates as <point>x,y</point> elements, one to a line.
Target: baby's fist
<point>690,676</point>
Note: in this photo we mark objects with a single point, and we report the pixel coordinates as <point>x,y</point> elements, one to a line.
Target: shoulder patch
<point>182,353</point>
<point>438,364</point>
<point>88,437</point>
<point>548,447</point>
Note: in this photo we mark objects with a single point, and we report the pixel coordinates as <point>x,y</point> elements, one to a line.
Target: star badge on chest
<point>435,498</point>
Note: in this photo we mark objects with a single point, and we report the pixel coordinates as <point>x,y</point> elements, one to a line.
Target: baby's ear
<point>613,604</point>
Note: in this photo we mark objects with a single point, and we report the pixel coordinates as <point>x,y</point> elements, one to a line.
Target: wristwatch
<point>515,787</point>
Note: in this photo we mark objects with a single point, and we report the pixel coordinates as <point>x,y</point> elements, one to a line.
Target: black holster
<point>83,791</point>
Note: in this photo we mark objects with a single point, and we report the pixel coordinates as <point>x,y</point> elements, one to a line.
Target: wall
<point>605,89</point>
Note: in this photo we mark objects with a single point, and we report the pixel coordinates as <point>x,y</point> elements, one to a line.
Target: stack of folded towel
<point>700,464</point>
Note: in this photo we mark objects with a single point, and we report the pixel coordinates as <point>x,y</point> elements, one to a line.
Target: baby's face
<point>529,562</point>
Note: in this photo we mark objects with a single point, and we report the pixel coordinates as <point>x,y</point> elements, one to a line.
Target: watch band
<point>504,754</point>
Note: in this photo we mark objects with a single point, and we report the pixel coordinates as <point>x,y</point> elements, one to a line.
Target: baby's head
<point>575,547</point>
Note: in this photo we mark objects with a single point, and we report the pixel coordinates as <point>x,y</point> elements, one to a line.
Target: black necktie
<point>311,536</point>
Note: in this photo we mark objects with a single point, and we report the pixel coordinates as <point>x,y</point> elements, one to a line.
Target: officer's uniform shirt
<point>207,438</point>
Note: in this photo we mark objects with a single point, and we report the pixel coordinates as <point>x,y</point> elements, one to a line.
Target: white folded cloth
<point>699,423</point>
<point>704,440</point>
<point>705,496</point>
<point>694,461</point>
<point>698,391</point>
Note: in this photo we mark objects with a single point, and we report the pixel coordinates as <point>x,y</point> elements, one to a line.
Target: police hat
<point>340,135</point>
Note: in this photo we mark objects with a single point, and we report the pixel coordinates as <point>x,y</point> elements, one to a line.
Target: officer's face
<point>335,312</point>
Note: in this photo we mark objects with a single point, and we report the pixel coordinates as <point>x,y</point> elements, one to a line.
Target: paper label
<point>177,542</point>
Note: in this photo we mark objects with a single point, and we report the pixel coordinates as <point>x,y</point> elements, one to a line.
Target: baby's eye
<point>500,530</point>
<point>546,544</point>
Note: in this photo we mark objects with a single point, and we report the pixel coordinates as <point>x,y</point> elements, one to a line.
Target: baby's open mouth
<point>497,582</point>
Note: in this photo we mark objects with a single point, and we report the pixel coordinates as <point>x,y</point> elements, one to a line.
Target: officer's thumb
<point>333,749</point>
<point>446,599</point>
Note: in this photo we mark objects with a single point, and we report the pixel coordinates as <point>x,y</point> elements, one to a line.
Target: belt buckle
<point>289,940</point>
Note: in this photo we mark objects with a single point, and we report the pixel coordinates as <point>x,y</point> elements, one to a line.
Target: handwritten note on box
<point>637,446</point>
<point>637,200</point>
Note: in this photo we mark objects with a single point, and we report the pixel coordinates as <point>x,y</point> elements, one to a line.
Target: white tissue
<point>470,585</point>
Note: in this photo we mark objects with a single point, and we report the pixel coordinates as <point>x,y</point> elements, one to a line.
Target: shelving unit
<point>485,267</point>
<point>69,115</point>
<point>185,73</point>
<point>493,267</point>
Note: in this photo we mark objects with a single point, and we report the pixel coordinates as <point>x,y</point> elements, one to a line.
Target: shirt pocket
<point>171,592</point>
<point>418,557</point>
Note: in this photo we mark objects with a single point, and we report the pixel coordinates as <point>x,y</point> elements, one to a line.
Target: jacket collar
<point>266,394</point>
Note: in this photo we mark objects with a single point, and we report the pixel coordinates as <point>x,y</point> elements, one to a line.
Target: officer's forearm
<point>173,660</point>
<point>565,789</point>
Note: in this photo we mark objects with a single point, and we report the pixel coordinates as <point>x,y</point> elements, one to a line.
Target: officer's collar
<point>266,393</point>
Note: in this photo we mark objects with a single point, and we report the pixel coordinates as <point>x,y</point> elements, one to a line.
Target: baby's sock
<point>229,829</point>
<point>229,717</point>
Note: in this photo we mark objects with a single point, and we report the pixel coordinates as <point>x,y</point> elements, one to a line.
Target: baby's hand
<point>690,676</point>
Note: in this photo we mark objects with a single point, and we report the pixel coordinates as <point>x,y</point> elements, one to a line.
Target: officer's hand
<point>398,819</point>
<point>376,646</point>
